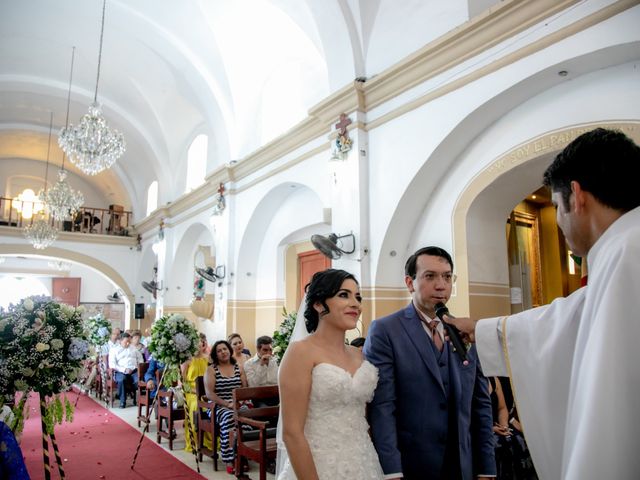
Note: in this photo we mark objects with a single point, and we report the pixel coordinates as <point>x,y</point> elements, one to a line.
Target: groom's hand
<point>467,327</point>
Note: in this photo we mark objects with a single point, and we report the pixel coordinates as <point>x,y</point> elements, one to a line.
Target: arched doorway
<point>481,213</point>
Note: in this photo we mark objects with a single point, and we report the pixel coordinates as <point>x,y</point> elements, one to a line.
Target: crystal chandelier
<point>40,233</point>
<point>92,146</point>
<point>63,201</point>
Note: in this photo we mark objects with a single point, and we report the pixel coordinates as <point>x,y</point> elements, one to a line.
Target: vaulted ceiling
<point>239,71</point>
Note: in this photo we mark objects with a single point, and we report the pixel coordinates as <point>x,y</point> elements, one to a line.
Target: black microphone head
<point>441,309</point>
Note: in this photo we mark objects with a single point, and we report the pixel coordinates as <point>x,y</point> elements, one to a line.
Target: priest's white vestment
<point>575,366</point>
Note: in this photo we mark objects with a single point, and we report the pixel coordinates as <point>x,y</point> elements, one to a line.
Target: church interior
<point>447,129</point>
<point>239,129</point>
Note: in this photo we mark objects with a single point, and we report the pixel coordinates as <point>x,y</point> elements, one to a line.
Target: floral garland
<point>282,336</point>
<point>42,347</point>
<point>98,330</point>
<point>174,340</point>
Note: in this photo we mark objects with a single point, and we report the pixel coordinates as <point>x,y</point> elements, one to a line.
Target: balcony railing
<point>103,221</point>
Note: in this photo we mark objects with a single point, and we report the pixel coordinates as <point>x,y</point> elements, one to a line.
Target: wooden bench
<point>167,415</point>
<point>259,443</point>
<point>143,394</point>
<point>205,423</point>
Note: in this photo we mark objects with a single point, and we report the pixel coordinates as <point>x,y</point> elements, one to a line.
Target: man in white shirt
<point>574,363</point>
<point>114,341</point>
<point>124,360</point>
<point>262,368</point>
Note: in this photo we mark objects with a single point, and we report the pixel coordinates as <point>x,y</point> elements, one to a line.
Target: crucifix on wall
<point>220,203</point>
<point>343,143</point>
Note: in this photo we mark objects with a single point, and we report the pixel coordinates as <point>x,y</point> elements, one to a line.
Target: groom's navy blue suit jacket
<point>408,415</point>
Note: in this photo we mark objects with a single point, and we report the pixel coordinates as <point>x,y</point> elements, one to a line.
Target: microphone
<point>453,333</point>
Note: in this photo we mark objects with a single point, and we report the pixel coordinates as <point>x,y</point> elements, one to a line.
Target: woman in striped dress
<point>220,379</point>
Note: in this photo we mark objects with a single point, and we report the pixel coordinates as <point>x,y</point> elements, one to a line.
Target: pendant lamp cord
<point>73,54</point>
<point>46,172</point>
<point>95,96</point>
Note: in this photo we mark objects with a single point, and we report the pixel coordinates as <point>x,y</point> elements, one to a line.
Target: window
<point>196,162</point>
<point>14,289</point>
<point>152,197</point>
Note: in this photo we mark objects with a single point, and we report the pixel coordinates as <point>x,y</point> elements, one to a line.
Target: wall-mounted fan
<point>332,246</point>
<point>211,274</point>
<point>115,297</point>
<point>151,287</point>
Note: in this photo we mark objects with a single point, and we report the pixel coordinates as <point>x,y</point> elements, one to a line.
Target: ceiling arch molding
<point>92,263</point>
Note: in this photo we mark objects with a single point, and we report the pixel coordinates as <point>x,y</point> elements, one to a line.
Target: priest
<point>575,364</point>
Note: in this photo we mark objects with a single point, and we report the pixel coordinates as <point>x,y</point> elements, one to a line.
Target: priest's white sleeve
<point>489,345</point>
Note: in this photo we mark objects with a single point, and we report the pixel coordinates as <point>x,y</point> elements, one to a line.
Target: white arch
<point>92,263</point>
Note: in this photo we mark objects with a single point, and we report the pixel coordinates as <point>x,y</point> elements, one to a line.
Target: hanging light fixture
<point>41,233</point>
<point>92,146</point>
<point>63,201</point>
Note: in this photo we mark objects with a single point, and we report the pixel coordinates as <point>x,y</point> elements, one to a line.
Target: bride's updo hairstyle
<point>323,285</point>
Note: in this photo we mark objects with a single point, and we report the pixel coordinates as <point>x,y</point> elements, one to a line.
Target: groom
<point>431,415</point>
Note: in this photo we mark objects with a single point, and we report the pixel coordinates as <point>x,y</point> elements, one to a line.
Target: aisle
<point>98,445</point>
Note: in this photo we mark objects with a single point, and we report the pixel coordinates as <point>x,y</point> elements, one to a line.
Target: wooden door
<point>308,264</point>
<point>66,290</point>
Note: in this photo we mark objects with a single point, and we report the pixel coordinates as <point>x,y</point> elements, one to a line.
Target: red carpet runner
<point>98,445</point>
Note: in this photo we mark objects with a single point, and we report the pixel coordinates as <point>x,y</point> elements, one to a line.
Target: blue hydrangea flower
<point>78,348</point>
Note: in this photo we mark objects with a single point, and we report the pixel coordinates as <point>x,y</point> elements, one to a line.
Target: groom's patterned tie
<point>437,340</point>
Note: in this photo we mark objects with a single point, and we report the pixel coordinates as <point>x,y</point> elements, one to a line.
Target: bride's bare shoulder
<point>301,349</point>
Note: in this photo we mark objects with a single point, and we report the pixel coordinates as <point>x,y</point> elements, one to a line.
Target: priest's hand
<point>467,327</point>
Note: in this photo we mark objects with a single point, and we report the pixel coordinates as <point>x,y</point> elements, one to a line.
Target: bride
<point>324,387</point>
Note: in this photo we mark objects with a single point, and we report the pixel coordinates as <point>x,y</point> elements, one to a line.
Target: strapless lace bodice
<point>336,427</point>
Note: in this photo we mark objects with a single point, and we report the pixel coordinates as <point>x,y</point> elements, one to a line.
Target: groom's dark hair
<point>410,267</point>
<point>323,285</point>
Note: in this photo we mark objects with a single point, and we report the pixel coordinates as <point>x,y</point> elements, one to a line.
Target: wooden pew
<point>259,442</point>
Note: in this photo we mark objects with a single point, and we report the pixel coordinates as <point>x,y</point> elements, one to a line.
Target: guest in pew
<point>238,351</point>
<point>113,342</point>
<point>150,376</point>
<point>137,344</point>
<point>192,369</point>
<point>124,360</point>
<point>262,368</point>
<point>221,378</point>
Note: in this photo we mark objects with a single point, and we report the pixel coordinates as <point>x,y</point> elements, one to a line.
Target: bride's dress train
<point>336,427</point>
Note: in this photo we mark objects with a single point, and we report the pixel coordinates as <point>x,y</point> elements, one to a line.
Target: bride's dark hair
<point>323,285</point>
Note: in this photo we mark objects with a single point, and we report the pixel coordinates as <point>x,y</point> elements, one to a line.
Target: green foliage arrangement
<point>42,347</point>
<point>282,336</point>
<point>98,330</point>
<point>174,340</point>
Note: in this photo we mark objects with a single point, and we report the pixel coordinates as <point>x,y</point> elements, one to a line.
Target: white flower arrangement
<point>42,346</point>
<point>174,340</point>
<point>98,330</point>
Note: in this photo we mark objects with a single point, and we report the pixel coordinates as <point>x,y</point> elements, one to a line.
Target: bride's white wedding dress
<point>336,427</point>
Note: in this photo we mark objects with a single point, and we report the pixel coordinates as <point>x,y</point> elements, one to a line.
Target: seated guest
<point>238,351</point>
<point>124,360</point>
<point>114,341</point>
<point>220,380</point>
<point>358,343</point>
<point>262,368</point>
<point>137,344</point>
<point>192,369</point>
<point>150,376</point>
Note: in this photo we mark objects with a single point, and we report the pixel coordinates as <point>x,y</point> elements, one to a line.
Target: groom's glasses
<point>446,277</point>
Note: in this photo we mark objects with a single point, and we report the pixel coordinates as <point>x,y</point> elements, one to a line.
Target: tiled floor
<point>129,415</point>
